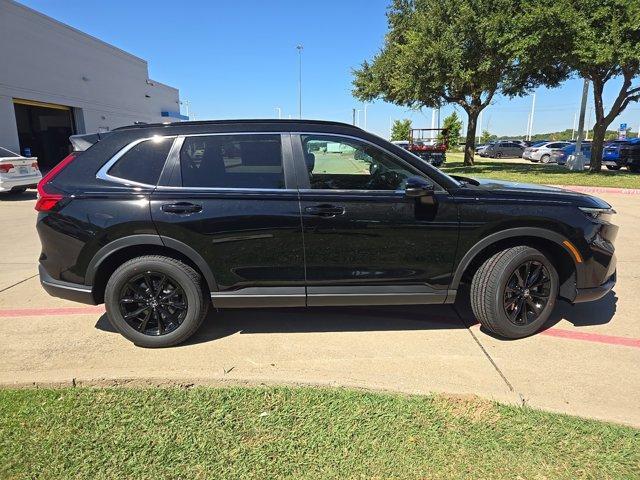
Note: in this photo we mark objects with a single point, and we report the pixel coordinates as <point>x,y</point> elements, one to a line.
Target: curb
<point>584,189</point>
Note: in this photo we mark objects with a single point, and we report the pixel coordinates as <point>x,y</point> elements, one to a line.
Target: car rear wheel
<point>613,167</point>
<point>155,301</point>
<point>498,155</point>
<point>514,292</point>
<point>545,159</point>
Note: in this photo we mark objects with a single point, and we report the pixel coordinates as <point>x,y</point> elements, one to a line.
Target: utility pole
<point>365,116</point>
<point>279,110</point>
<point>358,117</point>
<point>300,48</point>
<point>533,108</point>
<point>573,132</point>
<point>354,116</point>
<point>576,161</point>
<point>186,104</point>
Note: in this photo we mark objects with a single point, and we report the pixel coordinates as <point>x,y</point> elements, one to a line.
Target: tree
<point>461,52</point>
<point>401,129</point>
<point>485,137</point>
<point>605,44</point>
<point>453,125</point>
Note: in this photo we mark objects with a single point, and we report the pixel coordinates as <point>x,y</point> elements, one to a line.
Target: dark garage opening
<point>44,129</point>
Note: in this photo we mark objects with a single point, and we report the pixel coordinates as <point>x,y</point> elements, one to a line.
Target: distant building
<point>56,81</point>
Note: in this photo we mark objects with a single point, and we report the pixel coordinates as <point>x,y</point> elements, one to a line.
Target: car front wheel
<point>514,292</point>
<point>155,301</point>
<point>545,159</point>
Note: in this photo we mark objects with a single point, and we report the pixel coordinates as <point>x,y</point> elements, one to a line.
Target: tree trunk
<point>470,142</point>
<point>599,132</point>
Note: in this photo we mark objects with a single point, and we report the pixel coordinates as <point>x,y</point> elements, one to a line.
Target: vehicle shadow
<point>599,312</point>
<point>223,323</point>
<point>18,197</point>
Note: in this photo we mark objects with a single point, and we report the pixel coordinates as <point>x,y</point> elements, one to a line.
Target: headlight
<point>599,215</point>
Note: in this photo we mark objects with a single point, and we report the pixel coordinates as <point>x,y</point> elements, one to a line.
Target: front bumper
<point>596,293</point>
<point>69,291</point>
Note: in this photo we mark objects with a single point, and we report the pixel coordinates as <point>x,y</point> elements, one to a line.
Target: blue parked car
<point>560,156</point>
<point>611,154</point>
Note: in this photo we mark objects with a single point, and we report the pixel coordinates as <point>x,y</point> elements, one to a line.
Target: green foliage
<point>601,42</point>
<point>401,130</point>
<point>303,433</point>
<point>458,51</point>
<point>453,125</point>
<point>486,136</point>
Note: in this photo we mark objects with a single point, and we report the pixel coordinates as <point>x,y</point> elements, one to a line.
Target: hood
<point>530,191</point>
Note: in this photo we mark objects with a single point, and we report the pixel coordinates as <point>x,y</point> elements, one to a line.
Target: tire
<point>19,190</point>
<point>186,305</point>
<point>612,167</point>
<point>490,293</point>
<point>498,155</point>
<point>545,158</point>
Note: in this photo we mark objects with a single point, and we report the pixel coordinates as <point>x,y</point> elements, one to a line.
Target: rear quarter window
<point>143,162</point>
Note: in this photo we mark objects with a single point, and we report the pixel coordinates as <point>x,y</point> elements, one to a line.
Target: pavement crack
<point>486,353</point>
<point>18,283</point>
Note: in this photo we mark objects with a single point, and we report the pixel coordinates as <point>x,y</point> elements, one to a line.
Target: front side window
<point>232,161</point>
<point>143,162</point>
<point>338,163</point>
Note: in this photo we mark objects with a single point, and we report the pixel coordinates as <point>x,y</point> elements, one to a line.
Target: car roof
<point>238,124</point>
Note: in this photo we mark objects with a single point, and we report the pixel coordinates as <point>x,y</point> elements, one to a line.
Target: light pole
<point>576,161</point>
<point>300,48</point>
<point>365,116</point>
<point>186,104</point>
<point>279,110</point>
<point>533,108</point>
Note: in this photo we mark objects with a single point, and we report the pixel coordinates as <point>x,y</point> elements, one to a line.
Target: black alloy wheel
<point>527,293</point>
<point>153,303</point>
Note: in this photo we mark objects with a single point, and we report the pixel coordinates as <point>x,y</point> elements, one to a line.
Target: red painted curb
<point>585,189</point>
<point>43,312</point>
<point>592,337</point>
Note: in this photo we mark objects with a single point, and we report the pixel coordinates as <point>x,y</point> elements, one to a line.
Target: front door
<point>365,241</point>
<point>231,200</point>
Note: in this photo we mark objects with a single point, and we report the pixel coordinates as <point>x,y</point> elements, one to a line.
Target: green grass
<point>270,433</point>
<point>549,174</point>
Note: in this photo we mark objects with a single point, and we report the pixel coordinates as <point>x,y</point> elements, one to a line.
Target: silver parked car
<point>543,152</point>
<point>503,149</point>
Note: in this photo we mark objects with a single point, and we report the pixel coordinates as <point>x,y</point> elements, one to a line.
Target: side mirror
<point>418,187</point>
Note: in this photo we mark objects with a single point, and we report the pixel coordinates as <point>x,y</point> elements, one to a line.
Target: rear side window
<point>143,162</point>
<point>232,161</point>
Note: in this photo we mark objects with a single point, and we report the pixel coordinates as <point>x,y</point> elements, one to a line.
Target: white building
<point>56,81</point>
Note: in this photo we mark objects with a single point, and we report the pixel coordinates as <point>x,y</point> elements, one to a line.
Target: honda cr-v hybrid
<point>159,221</point>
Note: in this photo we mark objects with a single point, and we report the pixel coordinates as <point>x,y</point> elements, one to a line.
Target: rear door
<point>232,199</point>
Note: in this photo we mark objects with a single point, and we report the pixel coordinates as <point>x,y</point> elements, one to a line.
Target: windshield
<point>7,153</point>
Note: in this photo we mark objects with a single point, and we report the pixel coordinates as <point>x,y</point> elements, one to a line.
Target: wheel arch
<point>549,242</point>
<point>112,255</point>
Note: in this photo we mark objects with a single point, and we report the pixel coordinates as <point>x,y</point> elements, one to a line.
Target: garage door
<point>44,128</point>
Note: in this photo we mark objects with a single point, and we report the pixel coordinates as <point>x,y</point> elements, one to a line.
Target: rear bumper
<point>8,184</point>
<point>69,291</point>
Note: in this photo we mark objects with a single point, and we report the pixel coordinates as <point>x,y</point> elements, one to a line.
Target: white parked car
<point>17,173</point>
<point>543,152</point>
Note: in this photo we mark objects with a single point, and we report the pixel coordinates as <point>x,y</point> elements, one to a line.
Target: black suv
<point>157,221</point>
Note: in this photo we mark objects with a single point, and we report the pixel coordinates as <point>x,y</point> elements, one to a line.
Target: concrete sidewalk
<point>586,363</point>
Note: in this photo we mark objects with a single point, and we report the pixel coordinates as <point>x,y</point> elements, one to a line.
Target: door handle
<point>326,211</point>
<point>181,208</point>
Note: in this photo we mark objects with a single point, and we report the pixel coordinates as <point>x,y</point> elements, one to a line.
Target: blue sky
<point>238,59</point>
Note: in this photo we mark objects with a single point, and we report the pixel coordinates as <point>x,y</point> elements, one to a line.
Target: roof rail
<point>235,121</point>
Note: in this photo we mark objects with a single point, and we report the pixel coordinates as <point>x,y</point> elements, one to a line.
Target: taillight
<point>34,165</point>
<point>5,167</point>
<point>48,200</point>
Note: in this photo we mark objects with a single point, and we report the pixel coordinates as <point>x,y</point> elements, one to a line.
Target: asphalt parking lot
<point>585,362</point>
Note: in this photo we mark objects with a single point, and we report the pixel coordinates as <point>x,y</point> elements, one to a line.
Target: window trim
<point>103,172</point>
<point>174,183</point>
<point>305,187</point>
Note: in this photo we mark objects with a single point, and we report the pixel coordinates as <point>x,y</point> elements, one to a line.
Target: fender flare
<point>149,239</point>
<point>503,235</point>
